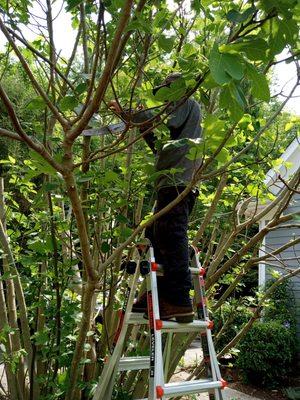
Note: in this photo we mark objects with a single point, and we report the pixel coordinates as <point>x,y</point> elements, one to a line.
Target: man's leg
<point>149,234</point>
<point>170,233</point>
<point>140,306</point>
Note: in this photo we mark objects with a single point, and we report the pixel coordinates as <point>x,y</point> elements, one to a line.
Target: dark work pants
<point>169,238</point>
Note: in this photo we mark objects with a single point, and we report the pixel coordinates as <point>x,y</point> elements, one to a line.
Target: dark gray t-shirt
<point>185,129</point>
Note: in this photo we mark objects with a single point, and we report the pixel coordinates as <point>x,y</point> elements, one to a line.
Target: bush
<point>281,306</point>
<point>266,353</point>
<point>237,313</point>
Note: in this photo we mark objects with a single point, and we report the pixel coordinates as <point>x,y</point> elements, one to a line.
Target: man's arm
<point>149,137</point>
<point>178,118</point>
<point>139,117</point>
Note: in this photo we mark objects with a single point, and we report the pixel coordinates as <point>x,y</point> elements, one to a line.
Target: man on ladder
<point>168,234</point>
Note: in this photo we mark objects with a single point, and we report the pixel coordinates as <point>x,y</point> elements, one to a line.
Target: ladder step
<point>134,363</point>
<point>137,319</point>
<point>160,270</point>
<point>191,387</point>
<point>170,326</point>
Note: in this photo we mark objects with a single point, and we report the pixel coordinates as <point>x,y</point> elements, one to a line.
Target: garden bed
<point>262,393</point>
<point>265,394</point>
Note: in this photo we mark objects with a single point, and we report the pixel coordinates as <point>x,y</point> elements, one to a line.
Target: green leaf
<point>166,43</point>
<point>139,25</point>
<point>105,247</point>
<point>224,67</point>
<point>81,88</point>
<point>176,90</point>
<point>196,5</point>
<point>216,67</point>
<point>255,48</point>
<point>230,103</point>
<point>233,66</point>
<point>118,3</point>
<point>41,164</point>
<point>12,160</point>
<point>235,111</point>
<point>41,338</point>
<point>290,30</point>
<point>235,16</point>
<point>195,152</point>
<point>36,104</point>
<point>277,40</point>
<point>7,275</point>
<point>68,103</point>
<point>87,346</point>
<point>213,124</point>
<point>84,179</point>
<point>49,186</point>
<point>122,219</point>
<point>260,88</point>
<point>72,4</point>
<point>189,50</point>
<point>110,176</point>
<point>61,377</point>
<point>237,94</point>
<point>223,156</point>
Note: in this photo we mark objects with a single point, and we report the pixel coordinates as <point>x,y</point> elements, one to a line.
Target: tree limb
<point>64,123</point>
<point>211,210</point>
<point>37,146</point>
<point>10,134</point>
<point>107,72</point>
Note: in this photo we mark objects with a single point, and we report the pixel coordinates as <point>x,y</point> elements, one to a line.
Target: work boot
<point>140,306</point>
<point>183,314</point>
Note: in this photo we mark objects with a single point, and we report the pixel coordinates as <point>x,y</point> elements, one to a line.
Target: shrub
<point>281,306</point>
<point>237,313</point>
<point>266,353</point>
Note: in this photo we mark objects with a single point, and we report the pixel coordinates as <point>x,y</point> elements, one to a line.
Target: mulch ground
<point>258,392</point>
<point>265,394</point>
<point>234,378</point>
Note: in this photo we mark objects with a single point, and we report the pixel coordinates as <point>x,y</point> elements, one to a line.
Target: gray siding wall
<point>291,256</point>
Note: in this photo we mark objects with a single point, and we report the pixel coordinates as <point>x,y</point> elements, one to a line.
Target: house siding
<point>290,257</point>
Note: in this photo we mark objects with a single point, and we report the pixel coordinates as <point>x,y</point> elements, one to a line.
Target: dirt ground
<point>193,355</point>
<point>257,392</point>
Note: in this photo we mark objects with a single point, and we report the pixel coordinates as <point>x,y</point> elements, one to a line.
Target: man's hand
<point>115,106</point>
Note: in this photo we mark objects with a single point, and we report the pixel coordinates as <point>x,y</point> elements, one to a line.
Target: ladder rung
<point>167,326</point>
<point>137,319</point>
<point>134,363</point>
<point>171,326</point>
<point>160,270</point>
<point>190,387</point>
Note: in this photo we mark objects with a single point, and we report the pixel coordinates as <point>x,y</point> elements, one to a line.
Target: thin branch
<point>287,185</point>
<point>40,55</point>
<point>277,219</point>
<point>10,134</point>
<point>64,123</point>
<point>246,148</point>
<point>257,312</point>
<point>211,210</point>
<point>107,72</point>
<point>37,146</point>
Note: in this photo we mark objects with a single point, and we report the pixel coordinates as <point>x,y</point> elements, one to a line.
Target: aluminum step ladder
<point>157,363</point>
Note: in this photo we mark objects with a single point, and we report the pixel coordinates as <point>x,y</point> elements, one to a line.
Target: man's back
<point>184,123</point>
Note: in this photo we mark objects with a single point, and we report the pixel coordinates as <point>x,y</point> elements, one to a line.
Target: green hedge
<point>238,314</point>
<point>267,353</point>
